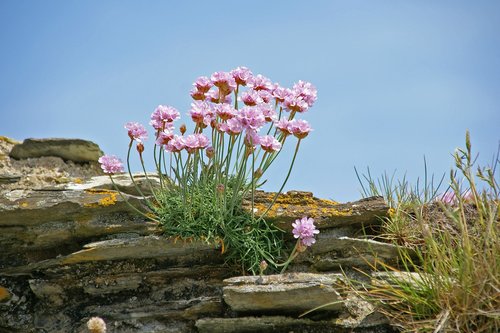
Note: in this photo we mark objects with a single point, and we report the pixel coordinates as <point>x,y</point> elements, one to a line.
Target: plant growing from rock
<point>240,123</point>
<point>455,283</point>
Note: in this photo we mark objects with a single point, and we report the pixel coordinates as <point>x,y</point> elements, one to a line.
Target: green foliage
<point>202,214</point>
<point>455,286</point>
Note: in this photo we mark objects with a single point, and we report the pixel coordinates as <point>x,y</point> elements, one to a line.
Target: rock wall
<point>73,250</point>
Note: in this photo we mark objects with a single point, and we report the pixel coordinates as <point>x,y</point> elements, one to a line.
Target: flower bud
<point>140,147</point>
<point>221,188</point>
<point>210,152</point>
<point>182,128</point>
<point>263,266</point>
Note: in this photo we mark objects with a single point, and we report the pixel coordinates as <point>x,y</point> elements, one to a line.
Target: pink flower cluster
<point>450,198</point>
<point>304,229</point>
<point>212,108</point>
<point>110,164</point>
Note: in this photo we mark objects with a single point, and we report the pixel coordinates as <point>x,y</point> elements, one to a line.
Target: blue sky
<point>396,80</point>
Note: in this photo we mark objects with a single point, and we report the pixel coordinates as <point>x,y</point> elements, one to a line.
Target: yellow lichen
<point>4,294</point>
<point>108,199</point>
<point>77,181</point>
<point>23,204</point>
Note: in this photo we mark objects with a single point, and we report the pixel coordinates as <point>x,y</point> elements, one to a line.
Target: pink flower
<point>295,103</point>
<point>197,95</point>
<point>110,164</point>
<point>251,138</point>
<point>176,144</point>
<point>251,118</point>
<point>162,115</point>
<point>231,126</point>
<point>136,131</point>
<point>224,81</point>
<point>268,112</point>
<point>450,198</point>
<point>260,82</point>
<point>203,84</point>
<point>280,93</point>
<point>214,97</point>
<point>300,128</point>
<point>241,75</point>
<point>195,141</point>
<point>270,144</point>
<point>225,111</point>
<point>199,111</point>
<point>164,137</point>
<point>305,230</point>
<point>251,98</point>
<point>265,95</point>
<point>306,91</point>
<point>282,125</point>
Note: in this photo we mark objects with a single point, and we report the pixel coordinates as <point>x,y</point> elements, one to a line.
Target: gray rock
<point>76,150</point>
<point>285,293</point>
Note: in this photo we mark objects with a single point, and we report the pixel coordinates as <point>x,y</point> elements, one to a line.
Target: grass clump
<point>453,283</point>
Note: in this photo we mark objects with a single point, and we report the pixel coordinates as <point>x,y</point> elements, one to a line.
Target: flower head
<point>203,84</point>
<point>110,164</point>
<point>241,75</point>
<point>251,98</point>
<point>176,144</point>
<point>296,103</point>
<point>96,325</point>
<point>163,116</point>
<point>306,91</point>
<point>231,126</point>
<point>282,125</point>
<point>251,118</point>
<point>136,131</point>
<point>270,144</point>
<point>194,142</point>
<point>300,128</point>
<point>304,229</point>
<point>260,82</point>
<point>225,111</point>
<point>279,93</point>
<point>164,137</point>
<point>224,81</point>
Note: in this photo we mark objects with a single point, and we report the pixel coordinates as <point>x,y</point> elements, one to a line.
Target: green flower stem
<point>129,204</point>
<point>153,192</point>
<point>130,172</point>
<point>284,182</point>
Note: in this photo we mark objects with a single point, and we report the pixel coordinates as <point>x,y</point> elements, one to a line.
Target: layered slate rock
<point>76,150</point>
<point>286,293</point>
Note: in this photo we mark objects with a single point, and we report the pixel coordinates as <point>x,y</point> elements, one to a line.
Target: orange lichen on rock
<point>4,294</point>
<point>109,198</point>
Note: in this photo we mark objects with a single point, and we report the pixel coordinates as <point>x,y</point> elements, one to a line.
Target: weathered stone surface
<point>331,252</point>
<point>327,213</point>
<point>75,150</point>
<point>279,324</point>
<point>285,293</point>
<point>144,184</point>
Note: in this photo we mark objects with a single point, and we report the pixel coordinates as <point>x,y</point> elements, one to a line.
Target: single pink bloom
<point>203,84</point>
<point>199,110</point>
<point>295,103</point>
<point>252,139</point>
<point>241,75</point>
<point>176,144</point>
<point>231,126</point>
<point>270,144</point>
<point>251,118</point>
<point>225,111</point>
<point>164,137</point>
<point>304,229</point>
<point>280,93</point>
<point>110,164</point>
<point>306,91</point>
<point>282,125</point>
<point>163,115</point>
<point>197,95</point>
<point>136,131</point>
<point>268,112</point>
<point>300,128</point>
<point>265,95</point>
<point>224,81</point>
<point>251,98</point>
<point>260,82</point>
<point>214,97</point>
